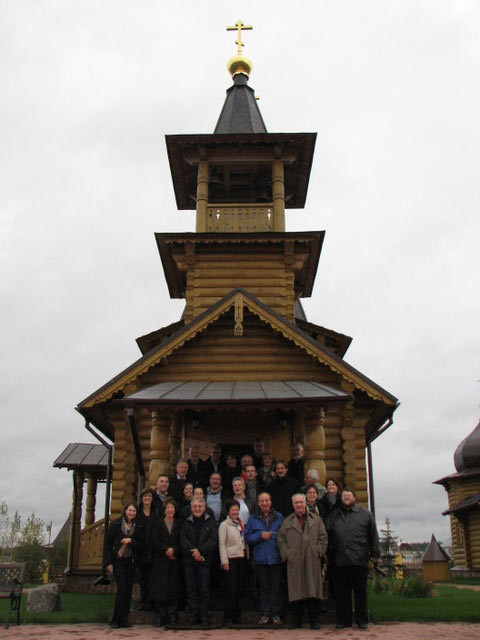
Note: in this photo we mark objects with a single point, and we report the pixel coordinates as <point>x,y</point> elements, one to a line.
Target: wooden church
<point>243,361</point>
<point>463,488</point>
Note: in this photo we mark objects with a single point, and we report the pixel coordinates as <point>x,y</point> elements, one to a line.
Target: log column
<point>76,526</point>
<point>314,442</point>
<point>278,192</point>
<point>124,476</point>
<point>159,446</point>
<point>175,440</point>
<point>202,196</point>
<point>91,499</point>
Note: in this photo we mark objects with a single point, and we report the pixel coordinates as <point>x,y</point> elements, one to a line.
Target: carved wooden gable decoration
<point>182,356</point>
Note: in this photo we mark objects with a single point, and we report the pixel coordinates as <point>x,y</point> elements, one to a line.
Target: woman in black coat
<point>165,580</point>
<point>119,552</point>
<point>146,517</point>
<point>331,500</point>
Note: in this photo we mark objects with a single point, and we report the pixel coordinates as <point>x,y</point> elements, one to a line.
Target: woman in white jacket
<point>233,558</point>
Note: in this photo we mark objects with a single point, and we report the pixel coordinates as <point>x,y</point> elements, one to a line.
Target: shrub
<point>414,587</point>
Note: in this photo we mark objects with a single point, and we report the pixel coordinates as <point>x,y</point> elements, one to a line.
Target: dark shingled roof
<point>228,391</point>
<point>467,504</point>
<point>435,553</point>
<point>240,113</point>
<point>90,457</point>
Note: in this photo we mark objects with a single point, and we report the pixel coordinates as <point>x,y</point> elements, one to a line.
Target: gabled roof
<point>240,113</point>
<point>239,298</point>
<point>152,339</point>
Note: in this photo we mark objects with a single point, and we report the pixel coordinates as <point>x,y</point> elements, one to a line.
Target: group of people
<point>218,523</point>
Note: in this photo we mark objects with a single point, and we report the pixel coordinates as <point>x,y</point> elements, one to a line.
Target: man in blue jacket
<point>261,533</point>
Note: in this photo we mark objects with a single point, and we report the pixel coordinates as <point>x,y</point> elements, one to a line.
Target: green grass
<point>468,581</point>
<point>448,605</point>
<point>76,607</point>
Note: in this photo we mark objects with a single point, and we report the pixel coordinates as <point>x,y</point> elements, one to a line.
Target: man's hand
<point>109,568</point>
<point>266,535</point>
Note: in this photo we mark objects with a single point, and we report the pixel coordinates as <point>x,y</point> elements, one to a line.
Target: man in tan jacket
<point>302,541</point>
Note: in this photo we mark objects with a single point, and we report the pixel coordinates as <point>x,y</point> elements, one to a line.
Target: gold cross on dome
<point>239,26</point>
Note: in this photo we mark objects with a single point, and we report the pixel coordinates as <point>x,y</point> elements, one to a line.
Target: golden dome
<point>239,64</point>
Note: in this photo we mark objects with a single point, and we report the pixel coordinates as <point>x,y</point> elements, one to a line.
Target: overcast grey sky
<point>89,89</point>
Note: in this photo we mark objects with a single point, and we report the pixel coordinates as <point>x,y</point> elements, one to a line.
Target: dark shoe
<point>172,621</point>
<point>205,622</point>
<point>237,620</point>
<point>263,620</point>
<point>315,625</point>
<point>157,621</point>
<point>192,621</point>
<point>340,626</point>
<point>296,624</point>
<point>126,625</point>
<point>277,621</point>
<point>363,626</point>
<point>114,625</point>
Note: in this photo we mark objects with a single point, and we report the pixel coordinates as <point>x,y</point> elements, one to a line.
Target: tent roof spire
<point>240,113</point>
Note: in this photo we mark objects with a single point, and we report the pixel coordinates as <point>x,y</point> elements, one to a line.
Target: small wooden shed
<point>436,562</point>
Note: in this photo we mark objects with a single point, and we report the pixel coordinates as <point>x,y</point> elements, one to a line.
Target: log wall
<point>260,354</point>
<point>268,277</point>
<point>465,530</point>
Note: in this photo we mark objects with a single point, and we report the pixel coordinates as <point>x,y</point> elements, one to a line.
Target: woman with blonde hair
<point>233,554</point>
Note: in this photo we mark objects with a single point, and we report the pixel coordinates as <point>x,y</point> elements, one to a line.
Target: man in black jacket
<point>296,466</point>
<point>352,542</point>
<point>282,489</point>
<point>179,480</point>
<point>198,540</point>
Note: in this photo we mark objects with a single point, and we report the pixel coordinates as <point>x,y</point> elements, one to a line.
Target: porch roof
<point>85,456</point>
<point>233,391</point>
<point>472,502</point>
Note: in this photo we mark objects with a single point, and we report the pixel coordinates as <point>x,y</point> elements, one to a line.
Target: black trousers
<point>235,579</point>
<point>144,581</point>
<point>344,581</point>
<point>313,610</point>
<point>124,573</point>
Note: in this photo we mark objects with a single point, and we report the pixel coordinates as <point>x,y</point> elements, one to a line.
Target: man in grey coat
<point>302,541</point>
<point>352,542</point>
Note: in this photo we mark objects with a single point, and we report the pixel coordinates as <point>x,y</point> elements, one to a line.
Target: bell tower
<point>240,180</point>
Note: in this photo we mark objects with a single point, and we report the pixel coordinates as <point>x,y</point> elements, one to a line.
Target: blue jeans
<point>197,582</point>
<point>269,581</point>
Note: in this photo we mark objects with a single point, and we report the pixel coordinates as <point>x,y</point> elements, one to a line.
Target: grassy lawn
<point>448,605</point>
<point>76,607</point>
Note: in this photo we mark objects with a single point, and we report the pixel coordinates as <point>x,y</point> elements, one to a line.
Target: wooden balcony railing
<point>91,545</point>
<point>239,218</point>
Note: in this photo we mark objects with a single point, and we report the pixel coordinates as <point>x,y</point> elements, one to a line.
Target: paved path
<point>390,631</point>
